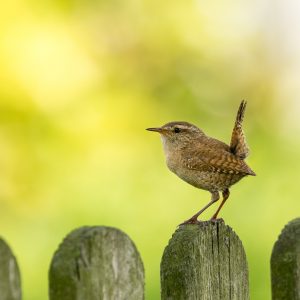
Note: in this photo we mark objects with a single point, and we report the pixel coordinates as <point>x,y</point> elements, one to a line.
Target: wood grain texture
<point>285,263</point>
<point>10,282</point>
<point>96,263</point>
<point>204,262</point>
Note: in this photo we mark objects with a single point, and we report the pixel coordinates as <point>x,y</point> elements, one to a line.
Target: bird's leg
<point>225,194</point>
<point>193,220</point>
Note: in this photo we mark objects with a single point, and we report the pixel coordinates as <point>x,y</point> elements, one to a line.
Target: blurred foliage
<point>81,80</point>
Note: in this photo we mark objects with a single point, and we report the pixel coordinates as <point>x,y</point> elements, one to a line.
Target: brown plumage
<point>203,161</point>
<point>238,145</point>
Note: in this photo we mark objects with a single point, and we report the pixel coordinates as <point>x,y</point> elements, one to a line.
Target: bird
<point>205,162</point>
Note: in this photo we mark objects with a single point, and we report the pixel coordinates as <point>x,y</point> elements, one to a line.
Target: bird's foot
<point>216,220</point>
<point>190,221</point>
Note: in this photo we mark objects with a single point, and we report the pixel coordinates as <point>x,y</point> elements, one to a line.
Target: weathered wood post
<point>10,282</point>
<point>285,263</point>
<point>204,262</point>
<point>96,263</point>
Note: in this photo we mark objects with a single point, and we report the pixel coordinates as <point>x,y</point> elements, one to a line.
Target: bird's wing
<point>220,161</point>
<point>238,145</point>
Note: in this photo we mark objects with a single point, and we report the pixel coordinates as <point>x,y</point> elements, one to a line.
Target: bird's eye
<point>176,130</point>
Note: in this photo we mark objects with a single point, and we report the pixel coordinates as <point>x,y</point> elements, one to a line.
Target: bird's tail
<point>238,145</point>
<point>241,112</point>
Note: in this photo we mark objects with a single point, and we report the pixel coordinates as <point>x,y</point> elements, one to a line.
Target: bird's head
<point>176,135</point>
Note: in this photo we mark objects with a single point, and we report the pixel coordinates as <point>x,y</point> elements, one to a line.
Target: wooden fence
<point>205,262</point>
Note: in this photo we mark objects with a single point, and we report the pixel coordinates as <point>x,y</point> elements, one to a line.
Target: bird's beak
<point>157,129</point>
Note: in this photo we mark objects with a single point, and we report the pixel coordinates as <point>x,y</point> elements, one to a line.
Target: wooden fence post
<point>204,262</point>
<point>96,263</point>
<point>10,283</point>
<point>285,263</point>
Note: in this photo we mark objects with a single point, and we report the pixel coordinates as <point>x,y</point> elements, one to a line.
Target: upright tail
<point>241,112</point>
<point>238,145</point>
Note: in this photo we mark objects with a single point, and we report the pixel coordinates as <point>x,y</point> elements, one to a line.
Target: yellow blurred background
<point>81,80</point>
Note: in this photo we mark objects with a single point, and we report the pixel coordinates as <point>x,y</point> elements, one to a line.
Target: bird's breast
<point>172,163</point>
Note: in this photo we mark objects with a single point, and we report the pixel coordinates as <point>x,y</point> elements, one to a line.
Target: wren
<point>205,162</point>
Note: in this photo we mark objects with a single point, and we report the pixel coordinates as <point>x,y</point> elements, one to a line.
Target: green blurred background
<point>81,80</point>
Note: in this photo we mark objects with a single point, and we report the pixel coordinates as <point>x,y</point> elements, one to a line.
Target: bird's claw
<point>197,222</point>
<point>190,221</point>
<point>217,220</point>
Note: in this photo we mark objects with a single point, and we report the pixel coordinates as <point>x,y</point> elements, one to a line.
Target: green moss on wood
<point>10,282</point>
<point>202,262</point>
<point>96,263</point>
<point>285,263</point>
